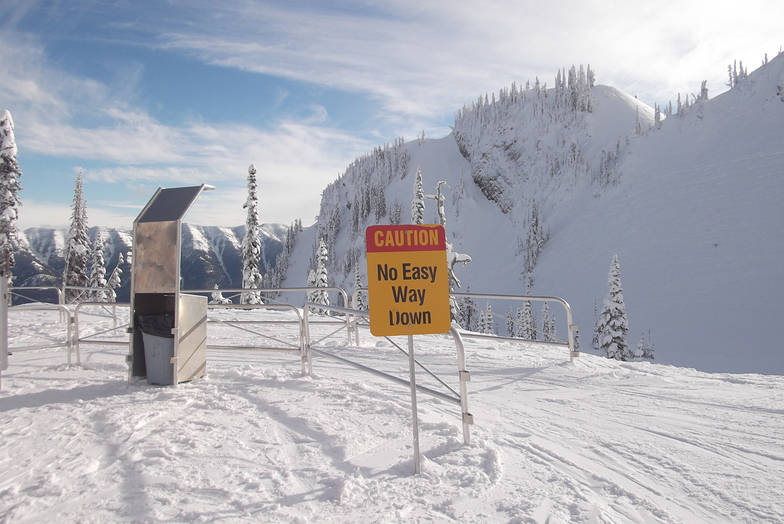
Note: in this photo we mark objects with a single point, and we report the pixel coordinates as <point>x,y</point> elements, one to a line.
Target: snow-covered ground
<point>593,441</point>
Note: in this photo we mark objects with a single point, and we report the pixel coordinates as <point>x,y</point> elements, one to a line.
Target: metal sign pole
<point>414,419</point>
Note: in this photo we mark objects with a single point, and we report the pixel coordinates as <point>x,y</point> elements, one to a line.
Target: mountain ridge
<point>545,185</point>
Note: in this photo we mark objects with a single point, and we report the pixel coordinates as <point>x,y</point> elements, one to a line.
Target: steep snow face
<point>536,146</point>
<point>44,243</point>
<point>691,207</point>
<point>696,221</point>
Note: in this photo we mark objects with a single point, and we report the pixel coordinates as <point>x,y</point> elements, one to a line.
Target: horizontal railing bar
<point>387,376</point>
<point>253,348</point>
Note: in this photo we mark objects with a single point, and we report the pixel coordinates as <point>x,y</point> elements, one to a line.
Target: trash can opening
<point>159,324</point>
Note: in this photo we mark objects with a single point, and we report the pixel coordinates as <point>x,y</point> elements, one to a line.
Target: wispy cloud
<point>427,58</point>
<point>417,61</point>
<point>138,152</point>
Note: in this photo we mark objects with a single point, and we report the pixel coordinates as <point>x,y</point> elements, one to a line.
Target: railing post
<point>306,323</point>
<point>465,377</point>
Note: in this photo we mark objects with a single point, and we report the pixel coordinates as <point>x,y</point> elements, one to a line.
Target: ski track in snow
<point>593,441</point>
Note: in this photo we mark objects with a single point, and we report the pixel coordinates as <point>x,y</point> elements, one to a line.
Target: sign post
<point>408,290</point>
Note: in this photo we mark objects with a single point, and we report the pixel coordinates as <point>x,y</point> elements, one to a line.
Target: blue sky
<point>141,94</point>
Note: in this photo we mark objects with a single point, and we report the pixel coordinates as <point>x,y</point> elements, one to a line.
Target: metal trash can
<point>158,342</point>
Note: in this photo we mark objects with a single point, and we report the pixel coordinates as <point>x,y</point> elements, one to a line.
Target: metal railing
<point>19,292</point>
<point>459,398</point>
<point>90,339</point>
<point>571,326</point>
<point>65,343</point>
<point>567,343</point>
<point>242,325</point>
<point>237,292</point>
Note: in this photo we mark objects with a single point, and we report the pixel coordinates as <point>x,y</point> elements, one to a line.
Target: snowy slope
<point>591,441</point>
<point>696,222</point>
<point>691,207</point>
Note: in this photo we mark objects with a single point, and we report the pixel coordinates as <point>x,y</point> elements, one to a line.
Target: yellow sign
<point>408,285</point>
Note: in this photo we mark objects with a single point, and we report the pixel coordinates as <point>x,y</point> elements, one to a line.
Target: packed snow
<point>592,440</point>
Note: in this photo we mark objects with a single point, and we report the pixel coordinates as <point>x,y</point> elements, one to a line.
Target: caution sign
<point>408,285</point>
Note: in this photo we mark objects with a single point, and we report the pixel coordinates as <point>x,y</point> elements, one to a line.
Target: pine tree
<point>114,280</point>
<point>77,247</point>
<point>528,331</point>
<point>510,322</point>
<point>648,347</point>
<point>553,331</point>
<point>645,347</point>
<point>360,305</point>
<point>519,325</point>
<point>312,296</point>
<point>98,271</point>
<point>216,297</point>
<point>251,243</point>
<point>9,189</point>
<point>468,314</point>
<point>613,323</point>
<point>418,203</point>
<point>596,330</point>
<point>640,349</point>
<point>321,296</point>
<point>546,322</point>
<point>489,322</point>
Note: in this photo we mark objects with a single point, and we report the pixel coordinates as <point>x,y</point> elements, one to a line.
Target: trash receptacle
<point>158,347</point>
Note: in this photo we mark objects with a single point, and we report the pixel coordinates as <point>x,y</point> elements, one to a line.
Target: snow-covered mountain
<point>210,255</point>
<point>543,186</point>
<point>550,183</point>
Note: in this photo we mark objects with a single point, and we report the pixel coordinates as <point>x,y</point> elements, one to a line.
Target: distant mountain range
<point>209,256</point>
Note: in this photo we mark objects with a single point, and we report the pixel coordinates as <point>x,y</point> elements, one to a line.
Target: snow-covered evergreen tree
<point>321,295</point>
<point>312,296</point>
<point>596,330</point>
<point>77,247</point>
<point>639,350</point>
<point>489,321</point>
<point>9,189</point>
<point>98,271</point>
<point>360,305</point>
<point>613,324</point>
<point>510,323</point>
<point>546,322</point>
<point>648,349</point>
<point>527,325</point>
<point>536,238</point>
<point>553,330</point>
<point>645,348</point>
<point>251,243</point>
<point>469,319</point>
<point>114,280</point>
<point>418,203</point>
<point>528,331</point>
<point>216,297</point>
<point>395,213</point>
